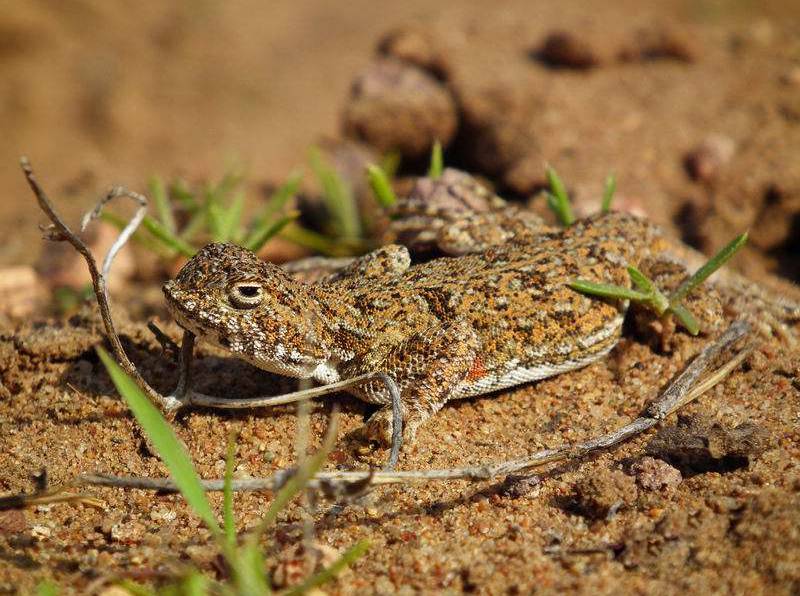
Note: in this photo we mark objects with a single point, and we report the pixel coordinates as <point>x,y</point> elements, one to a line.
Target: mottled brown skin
<point>449,328</point>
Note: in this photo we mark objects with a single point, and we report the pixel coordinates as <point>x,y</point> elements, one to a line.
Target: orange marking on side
<point>477,371</point>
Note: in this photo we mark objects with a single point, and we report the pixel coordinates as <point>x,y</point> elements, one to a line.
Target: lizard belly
<point>519,374</point>
<point>486,377</point>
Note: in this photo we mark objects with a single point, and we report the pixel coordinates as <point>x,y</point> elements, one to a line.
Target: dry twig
<point>59,231</point>
<point>687,387</point>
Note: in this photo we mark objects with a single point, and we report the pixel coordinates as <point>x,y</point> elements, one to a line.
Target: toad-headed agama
<point>448,328</point>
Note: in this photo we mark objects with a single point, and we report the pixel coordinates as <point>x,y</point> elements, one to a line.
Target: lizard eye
<point>245,295</point>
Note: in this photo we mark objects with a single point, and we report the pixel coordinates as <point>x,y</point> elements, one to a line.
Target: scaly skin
<point>449,328</point>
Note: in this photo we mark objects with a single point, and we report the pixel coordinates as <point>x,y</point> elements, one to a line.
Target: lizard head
<point>228,296</point>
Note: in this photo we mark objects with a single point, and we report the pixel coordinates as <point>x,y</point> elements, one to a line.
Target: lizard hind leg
<point>477,232</point>
<point>428,367</point>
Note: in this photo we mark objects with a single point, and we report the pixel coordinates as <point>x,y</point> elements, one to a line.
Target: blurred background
<point>694,104</point>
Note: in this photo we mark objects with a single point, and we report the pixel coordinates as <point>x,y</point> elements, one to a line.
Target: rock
<point>775,227</point>
<point>704,162</point>
<point>416,46</point>
<point>500,125</point>
<point>12,522</point>
<point>696,444</point>
<point>659,43</point>
<point>562,49</point>
<point>398,106</point>
<point>655,475</point>
<point>22,292</point>
<point>526,177</point>
<point>518,486</point>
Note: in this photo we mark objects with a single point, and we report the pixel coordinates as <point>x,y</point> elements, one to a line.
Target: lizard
<point>448,328</point>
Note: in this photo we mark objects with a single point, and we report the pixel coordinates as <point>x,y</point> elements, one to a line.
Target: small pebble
<point>654,474</point>
<point>562,49</point>
<point>705,162</point>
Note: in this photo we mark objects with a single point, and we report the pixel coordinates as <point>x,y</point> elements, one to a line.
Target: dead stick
<point>59,231</point>
<point>678,394</point>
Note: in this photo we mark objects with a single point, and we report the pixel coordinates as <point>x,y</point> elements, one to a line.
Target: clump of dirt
<point>655,475</point>
<point>696,444</point>
<point>398,106</point>
<point>603,493</point>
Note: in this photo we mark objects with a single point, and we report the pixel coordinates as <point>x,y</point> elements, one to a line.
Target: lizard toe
<point>379,428</point>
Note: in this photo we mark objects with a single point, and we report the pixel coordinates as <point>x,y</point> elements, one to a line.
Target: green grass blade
<point>350,556</point>
<point>261,236</point>
<point>232,178</point>
<point>215,203</point>
<point>686,318</point>
<point>390,164</point>
<point>437,161</point>
<point>562,210</point>
<point>558,200</point>
<point>197,222</point>
<point>195,584</point>
<point>180,191</point>
<point>214,217</point>
<point>47,588</point>
<point>145,240</point>
<point>656,301</point>
<point>313,240</point>
<point>608,193</point>
<point>171,451</point>
<point>158,193</point>
<point>381,187</point>
<point>170,240</point>
<point>250,574</point>
<point>297,482</point>
<point>641,281</point>
<point>229,521</point>
<point>714,263</point>
<point>231,219</point>
<point>608,291</point>
<point>338,198</point>
<point>279,199</point>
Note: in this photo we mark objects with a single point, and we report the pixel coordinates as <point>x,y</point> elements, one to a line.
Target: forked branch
<point>59,231</point>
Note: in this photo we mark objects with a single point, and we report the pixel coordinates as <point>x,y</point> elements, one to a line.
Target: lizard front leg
<point>427,368</point>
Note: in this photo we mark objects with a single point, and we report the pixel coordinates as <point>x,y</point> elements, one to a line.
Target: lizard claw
<point>379,428</point>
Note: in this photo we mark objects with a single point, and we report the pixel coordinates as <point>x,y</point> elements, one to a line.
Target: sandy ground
<point>694,105</point>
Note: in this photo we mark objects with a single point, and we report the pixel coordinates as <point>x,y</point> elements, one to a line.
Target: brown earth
<point>694,105</point>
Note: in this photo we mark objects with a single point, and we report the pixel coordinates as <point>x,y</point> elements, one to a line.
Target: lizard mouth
<point>182,310</point>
